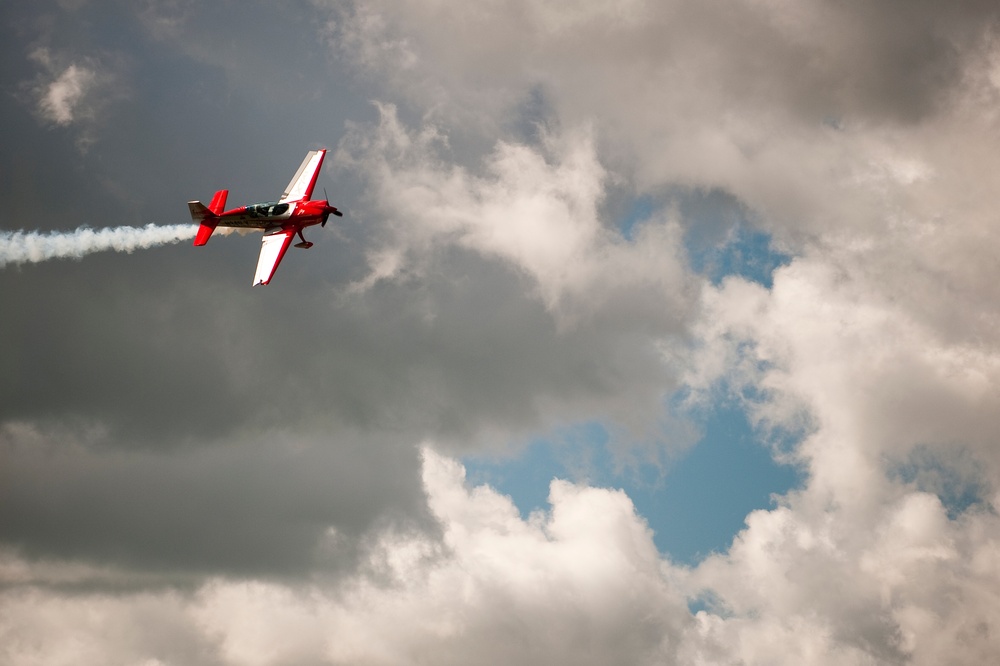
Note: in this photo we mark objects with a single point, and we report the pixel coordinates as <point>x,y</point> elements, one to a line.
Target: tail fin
<point>208,217</point>
<point>219,202</point>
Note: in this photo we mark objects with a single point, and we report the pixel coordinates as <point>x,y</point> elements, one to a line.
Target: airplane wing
<point>272,249</point>
<point>304,179</point>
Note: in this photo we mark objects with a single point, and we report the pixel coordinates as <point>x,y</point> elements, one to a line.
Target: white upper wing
<point>272,249</point>
<point>304,179</point>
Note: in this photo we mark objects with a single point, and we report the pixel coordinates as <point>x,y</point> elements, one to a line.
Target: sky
<point>655,332</point>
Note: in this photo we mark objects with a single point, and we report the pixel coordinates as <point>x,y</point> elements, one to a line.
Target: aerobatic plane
<point>280,220</point>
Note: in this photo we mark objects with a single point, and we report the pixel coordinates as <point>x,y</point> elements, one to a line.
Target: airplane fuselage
<point>275,214</point>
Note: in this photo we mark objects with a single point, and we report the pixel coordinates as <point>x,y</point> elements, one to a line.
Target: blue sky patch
<point>956,480</point>
<point>747,253</point>
<point>720,238</point>
<point>640,211</point>
<point>695,506</point>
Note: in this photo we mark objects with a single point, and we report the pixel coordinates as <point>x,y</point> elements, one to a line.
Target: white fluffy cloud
<point>839,130</point>
<point>878,386</point>
<point>582,583</point>
<point>72,91</point>
<point>880,557</point>
<point>816,586</point>
<point>58,101</point>
<point>537,209</point>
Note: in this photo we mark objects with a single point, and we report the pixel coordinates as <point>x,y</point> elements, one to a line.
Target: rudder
<point>208,217</point>
<point>218,202</point>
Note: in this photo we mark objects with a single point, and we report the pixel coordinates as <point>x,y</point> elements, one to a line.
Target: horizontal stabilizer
<point>205,231</point>
<point>206,218</point>
<point>198,211</point>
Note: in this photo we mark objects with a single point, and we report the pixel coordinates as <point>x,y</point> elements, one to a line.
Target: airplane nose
<point>328,208</point>
<point>326,213</point>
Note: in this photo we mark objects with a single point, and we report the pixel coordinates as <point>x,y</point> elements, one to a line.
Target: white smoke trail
<point>19,247</point>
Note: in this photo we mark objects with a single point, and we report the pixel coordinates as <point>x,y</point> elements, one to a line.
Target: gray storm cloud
<point>20,247</point>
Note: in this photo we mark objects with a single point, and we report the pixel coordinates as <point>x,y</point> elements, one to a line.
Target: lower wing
<point>272,249</point>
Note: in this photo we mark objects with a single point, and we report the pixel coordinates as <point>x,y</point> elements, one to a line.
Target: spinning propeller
<point>329,209</point>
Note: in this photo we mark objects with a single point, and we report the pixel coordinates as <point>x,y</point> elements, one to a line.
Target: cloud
<point>917,587</point>
<point>881,555</point>
<point>62,95</point>
<point>261,505</point>
<point>792,109</point>
<point>73,91</point>
<point>256,451</point>
<point>580,583</point>
<point>911,587</point>
<point>534,209</point>
<point>877,177</point>
<point>583,584</point>
<point>477,594</point>
<point>870,379</point>
<point>869,154</point>
<point>41,627</point>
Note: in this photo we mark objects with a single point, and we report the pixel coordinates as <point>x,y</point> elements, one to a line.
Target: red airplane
<point>279,219</point>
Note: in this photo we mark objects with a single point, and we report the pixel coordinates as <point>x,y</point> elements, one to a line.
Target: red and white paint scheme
<point>279,219</point>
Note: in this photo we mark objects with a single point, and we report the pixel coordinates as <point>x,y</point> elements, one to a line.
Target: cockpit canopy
<point>267,209</point>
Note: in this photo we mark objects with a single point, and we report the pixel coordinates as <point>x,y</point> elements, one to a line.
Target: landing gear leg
<point>304,244</point>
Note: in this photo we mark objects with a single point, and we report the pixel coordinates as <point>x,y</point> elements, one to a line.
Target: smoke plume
<point>21,247</point>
